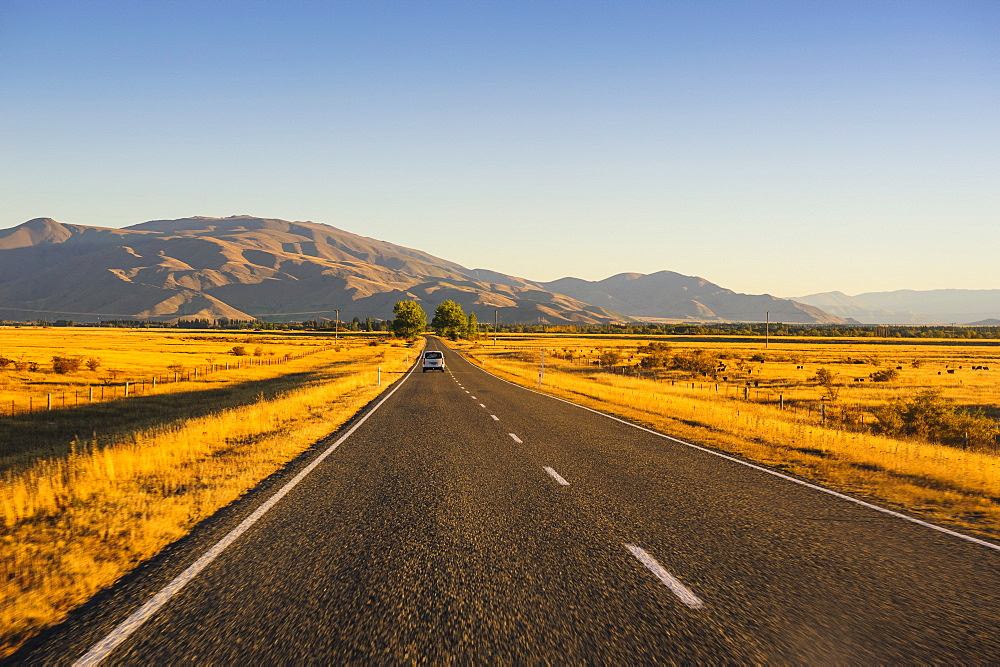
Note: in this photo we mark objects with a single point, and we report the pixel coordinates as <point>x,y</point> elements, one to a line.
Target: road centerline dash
<point>670,581</point>
<point>516,439</point>
<point>556,476</point>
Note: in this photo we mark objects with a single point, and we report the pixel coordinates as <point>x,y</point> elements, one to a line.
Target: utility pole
<point>336,324</point>
<point>767,328</point>
<point>496,319</point>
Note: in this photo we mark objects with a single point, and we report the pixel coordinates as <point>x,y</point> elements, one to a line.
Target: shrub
<point>93,363</point>
<point>4,362</point>
<point>610,357</point>
<point>657,355</point>
<point>696,361</point>
<point>237,351</point>
<point>828,380</point>
<point>928,415</point>
<point>885,375</point>
<point>66,364</point>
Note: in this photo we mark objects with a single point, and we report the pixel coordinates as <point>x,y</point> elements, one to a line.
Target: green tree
<point>410,321</point>
<point>449,320</point>
<point>472,327</point>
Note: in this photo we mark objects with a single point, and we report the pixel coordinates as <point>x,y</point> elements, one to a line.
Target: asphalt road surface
<point>470,520</point>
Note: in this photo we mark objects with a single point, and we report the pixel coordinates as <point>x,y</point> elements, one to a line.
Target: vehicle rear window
<point>432,355</point>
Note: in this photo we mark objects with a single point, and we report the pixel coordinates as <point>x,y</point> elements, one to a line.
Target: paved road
<point>470,520</point>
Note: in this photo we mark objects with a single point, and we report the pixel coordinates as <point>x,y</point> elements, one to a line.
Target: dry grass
<point>72,524</point>
<point>945,484</point>
<point>136,356</point>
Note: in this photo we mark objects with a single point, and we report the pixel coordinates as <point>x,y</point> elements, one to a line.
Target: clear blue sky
<point>779,147</point>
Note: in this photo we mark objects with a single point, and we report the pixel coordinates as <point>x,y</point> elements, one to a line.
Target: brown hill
<point>244,267</point>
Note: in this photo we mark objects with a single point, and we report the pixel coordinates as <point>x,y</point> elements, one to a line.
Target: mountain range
<point>942,306</point>
<point>245,267</point>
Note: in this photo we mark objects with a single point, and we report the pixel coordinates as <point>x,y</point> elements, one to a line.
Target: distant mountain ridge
<point>942,306</point>
<point>671,295</point>
<point>244,267</point>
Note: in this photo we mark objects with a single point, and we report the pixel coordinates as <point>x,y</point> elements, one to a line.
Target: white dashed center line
<point>516,439</point>
<point>671,582</point>
<point>481,405</point>
<point>556,476</point>
<point>495,418</point>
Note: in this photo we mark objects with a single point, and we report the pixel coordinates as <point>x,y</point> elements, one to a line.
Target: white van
<point>433,361</point>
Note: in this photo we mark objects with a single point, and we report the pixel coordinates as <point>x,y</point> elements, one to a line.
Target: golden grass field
<point>87,503</point>
<point>942,483</point>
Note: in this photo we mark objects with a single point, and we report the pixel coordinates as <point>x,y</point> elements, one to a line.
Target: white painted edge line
<point>103,648</point>
<point>670,581</point>
<point>556,476</point>
<point>516,439</point>
<point>775,473</point>
<point>494,417</point>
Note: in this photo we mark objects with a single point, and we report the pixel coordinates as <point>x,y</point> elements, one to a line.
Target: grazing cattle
<point>899,368</point>
<point>951,370</point>
<point>859,379</point>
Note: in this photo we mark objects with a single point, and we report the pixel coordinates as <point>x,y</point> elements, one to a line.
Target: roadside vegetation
<point>103,487</point>
<point>912,426</point>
